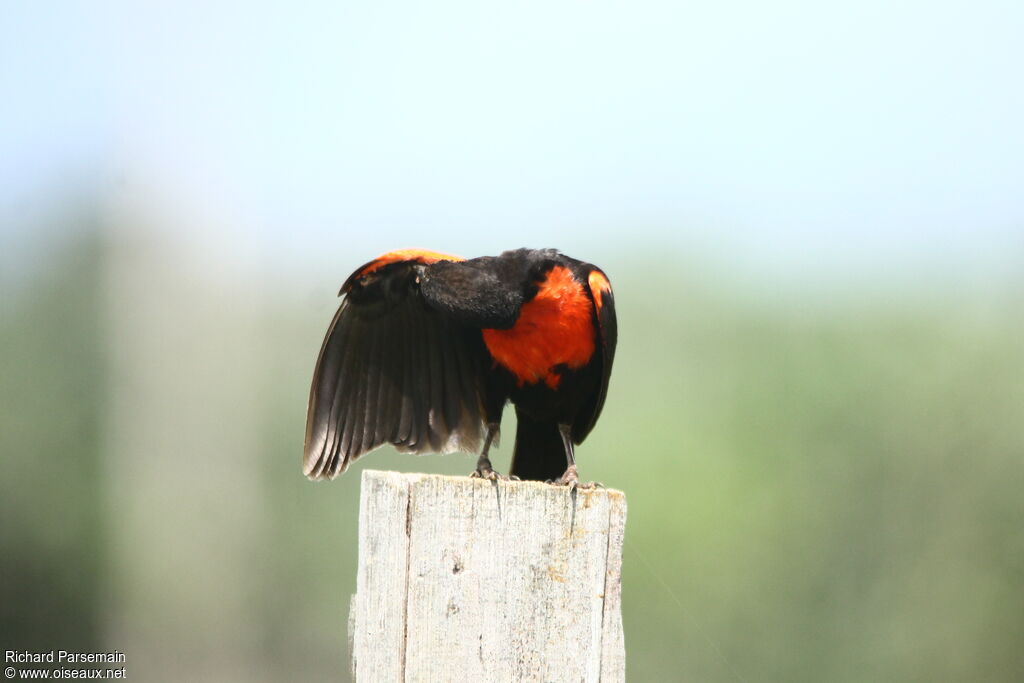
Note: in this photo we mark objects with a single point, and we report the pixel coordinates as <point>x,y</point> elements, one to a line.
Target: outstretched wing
<point>394,368</point>
<point>604,308</point>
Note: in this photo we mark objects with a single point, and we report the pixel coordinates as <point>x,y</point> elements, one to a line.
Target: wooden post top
<point>468,579</point>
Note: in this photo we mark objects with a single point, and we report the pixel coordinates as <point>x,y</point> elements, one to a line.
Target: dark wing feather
<point>607,338</point>
<point>473,293</point>
<point>392,369</point>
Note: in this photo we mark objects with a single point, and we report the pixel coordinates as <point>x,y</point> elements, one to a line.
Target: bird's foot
<point>571,478</point>
<point>487,472</point>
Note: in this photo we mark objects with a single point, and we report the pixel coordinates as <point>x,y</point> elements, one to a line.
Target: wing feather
<point>451,404</point>
<point>392,369</point>
<point>436,422</point>
<point>382,404</point>
<point>604,307</point>
<point>329,379</point>
<point>405,362</point>
<point>419,388</point>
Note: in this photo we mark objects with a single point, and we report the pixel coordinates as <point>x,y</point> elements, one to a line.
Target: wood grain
<point>462,579</point>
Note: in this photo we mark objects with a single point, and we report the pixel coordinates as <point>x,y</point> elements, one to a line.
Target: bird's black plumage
<point>426,350</point>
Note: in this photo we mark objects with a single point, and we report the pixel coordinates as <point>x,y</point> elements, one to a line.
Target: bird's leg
<point>483,464</point>
<point>571,478</point>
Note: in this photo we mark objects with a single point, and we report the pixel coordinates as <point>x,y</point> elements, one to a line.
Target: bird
<point>426,350</point>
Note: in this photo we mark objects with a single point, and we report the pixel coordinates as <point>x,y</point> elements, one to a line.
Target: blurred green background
<point>811,218</point>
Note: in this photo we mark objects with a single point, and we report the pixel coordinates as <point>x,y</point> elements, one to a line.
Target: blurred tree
<point>51,406</point>
<point>819,488</point>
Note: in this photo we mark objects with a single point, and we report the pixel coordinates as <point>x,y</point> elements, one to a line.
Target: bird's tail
<point>539,453</point>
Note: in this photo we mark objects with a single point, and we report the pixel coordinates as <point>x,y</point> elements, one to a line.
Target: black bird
<point>426,349</point>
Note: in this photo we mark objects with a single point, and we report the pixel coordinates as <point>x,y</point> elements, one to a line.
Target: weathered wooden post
<point>470,580</point>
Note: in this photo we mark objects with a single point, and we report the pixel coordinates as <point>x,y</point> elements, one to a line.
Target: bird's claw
<point>571,478</point>
<point>488,473</point>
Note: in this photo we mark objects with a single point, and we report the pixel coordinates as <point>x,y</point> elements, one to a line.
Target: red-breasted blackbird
<point>427,348</point>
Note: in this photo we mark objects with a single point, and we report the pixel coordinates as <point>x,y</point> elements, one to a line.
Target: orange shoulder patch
<point>599,286</point>
<point>418,255</point>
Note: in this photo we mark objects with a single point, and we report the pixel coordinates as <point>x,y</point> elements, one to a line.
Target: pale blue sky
<point>806,135</point>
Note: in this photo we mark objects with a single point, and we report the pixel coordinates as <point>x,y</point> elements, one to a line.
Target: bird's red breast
<point>554,328</point>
